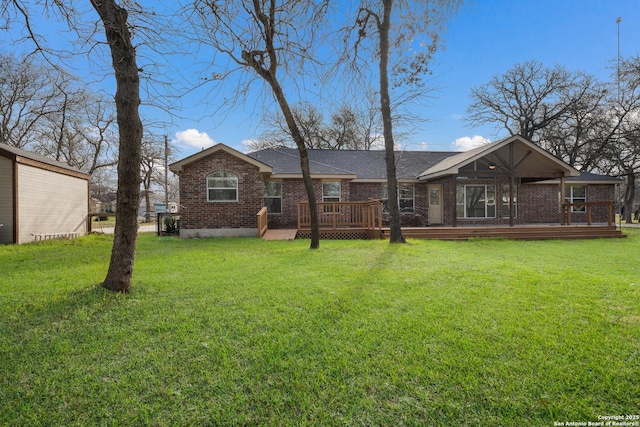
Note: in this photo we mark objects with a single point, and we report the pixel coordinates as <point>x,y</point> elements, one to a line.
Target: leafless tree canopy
<point>45,110</point>
<point>525,99</point>
<point>348,128</point>
<point>272,40</point>
<point>590,124</point>
<point>402,37</point>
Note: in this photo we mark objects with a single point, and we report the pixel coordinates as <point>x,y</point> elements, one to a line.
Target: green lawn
<point>359,333</point>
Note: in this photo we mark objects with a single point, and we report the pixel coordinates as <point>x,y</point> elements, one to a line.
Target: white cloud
<point>417,146</point>
<point>467,142</point>
<point>250,145</point>
<point>194,138</point>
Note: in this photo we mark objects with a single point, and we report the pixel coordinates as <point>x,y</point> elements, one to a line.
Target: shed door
<point>435,204</point>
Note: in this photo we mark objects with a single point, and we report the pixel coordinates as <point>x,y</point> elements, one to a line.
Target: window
<point>331,191</point>
<point>505,201</point>
<point>273,196</point>
<point>576,194</point>
<point>406,198</point>
<point>222,187</point>
<point>476,201</point>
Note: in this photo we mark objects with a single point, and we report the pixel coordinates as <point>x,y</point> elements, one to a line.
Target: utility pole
<point>619,201</point>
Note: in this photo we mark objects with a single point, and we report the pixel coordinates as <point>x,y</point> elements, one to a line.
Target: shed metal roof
<point>35,159</point>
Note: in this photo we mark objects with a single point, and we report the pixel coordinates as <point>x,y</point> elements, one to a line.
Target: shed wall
<point>49,202</point>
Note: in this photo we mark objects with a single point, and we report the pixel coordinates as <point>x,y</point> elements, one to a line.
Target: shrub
<point>170,225</point>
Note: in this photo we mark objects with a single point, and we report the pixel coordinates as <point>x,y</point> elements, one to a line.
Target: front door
<point>435,204</point>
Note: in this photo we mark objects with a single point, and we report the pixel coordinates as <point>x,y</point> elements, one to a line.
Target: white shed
<point>40,198</point>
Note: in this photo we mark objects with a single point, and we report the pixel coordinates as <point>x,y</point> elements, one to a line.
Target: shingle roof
<point>594,177</point>
<point>365,165</point>
<point>370,165</point>
<point>286,161</point>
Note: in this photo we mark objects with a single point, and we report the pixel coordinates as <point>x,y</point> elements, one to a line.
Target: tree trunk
<point>127,100</point>
<point>304,161</point>
<point>629,196</point>
<point>395,232</point>
<point>147,202</point>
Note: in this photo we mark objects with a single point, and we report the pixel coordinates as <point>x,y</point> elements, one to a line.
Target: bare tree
<point>310,122</point>
<point>152,169</point>
<point>268,38</point>
<point>152,154</point>
<point>396,26</point>
<point>45,110</point>
<point>349,128</point>
<point>123,56</point>
<point>27,98</point>
<point>114,18</point>
<point>581,133</point>
<point>589,124</point>
<point>527,98</point>
<point>369,135</point>
<point>343,129</point>
<point>628,134</point>
<point>82,132</point>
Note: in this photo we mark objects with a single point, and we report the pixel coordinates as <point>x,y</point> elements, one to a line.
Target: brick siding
<point>198,213</point>
<point>536,203</point>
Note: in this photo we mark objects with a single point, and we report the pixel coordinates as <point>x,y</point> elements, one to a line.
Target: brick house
<point>509,182</point>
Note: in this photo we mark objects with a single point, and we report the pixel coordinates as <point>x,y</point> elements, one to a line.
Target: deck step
<point>280,234</point>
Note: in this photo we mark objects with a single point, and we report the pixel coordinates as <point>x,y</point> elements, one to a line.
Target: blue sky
<point>489,37</point>
<point>485,38</point>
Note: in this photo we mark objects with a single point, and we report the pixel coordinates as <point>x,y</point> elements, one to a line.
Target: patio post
<point>562,199</point>
<point>511,204</point>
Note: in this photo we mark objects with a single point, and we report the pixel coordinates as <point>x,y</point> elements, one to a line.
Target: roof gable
<point>178,166</point>
<point>514,153</point>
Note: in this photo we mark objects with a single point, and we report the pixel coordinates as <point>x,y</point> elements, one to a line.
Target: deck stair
<point>280,234</point>
<point>546,232</point>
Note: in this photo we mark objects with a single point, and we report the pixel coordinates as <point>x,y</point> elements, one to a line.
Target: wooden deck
<point>363,220</point>
<point>545,232</point>
<point>541,232</point>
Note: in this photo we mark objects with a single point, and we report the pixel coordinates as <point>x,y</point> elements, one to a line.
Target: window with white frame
<point>476,201</point>
<point>222,187</point>
<point>273,196</point>
<point>331,191</point>
<point>505,201</point>
<point>576,194</point>
<point>406,198</point>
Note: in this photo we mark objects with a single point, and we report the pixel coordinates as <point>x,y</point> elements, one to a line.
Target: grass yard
<point>361,333</point>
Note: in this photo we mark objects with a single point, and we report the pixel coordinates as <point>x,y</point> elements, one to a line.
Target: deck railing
<point>334,215</point>
<point>588,206</point>
<point>262,222</point>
